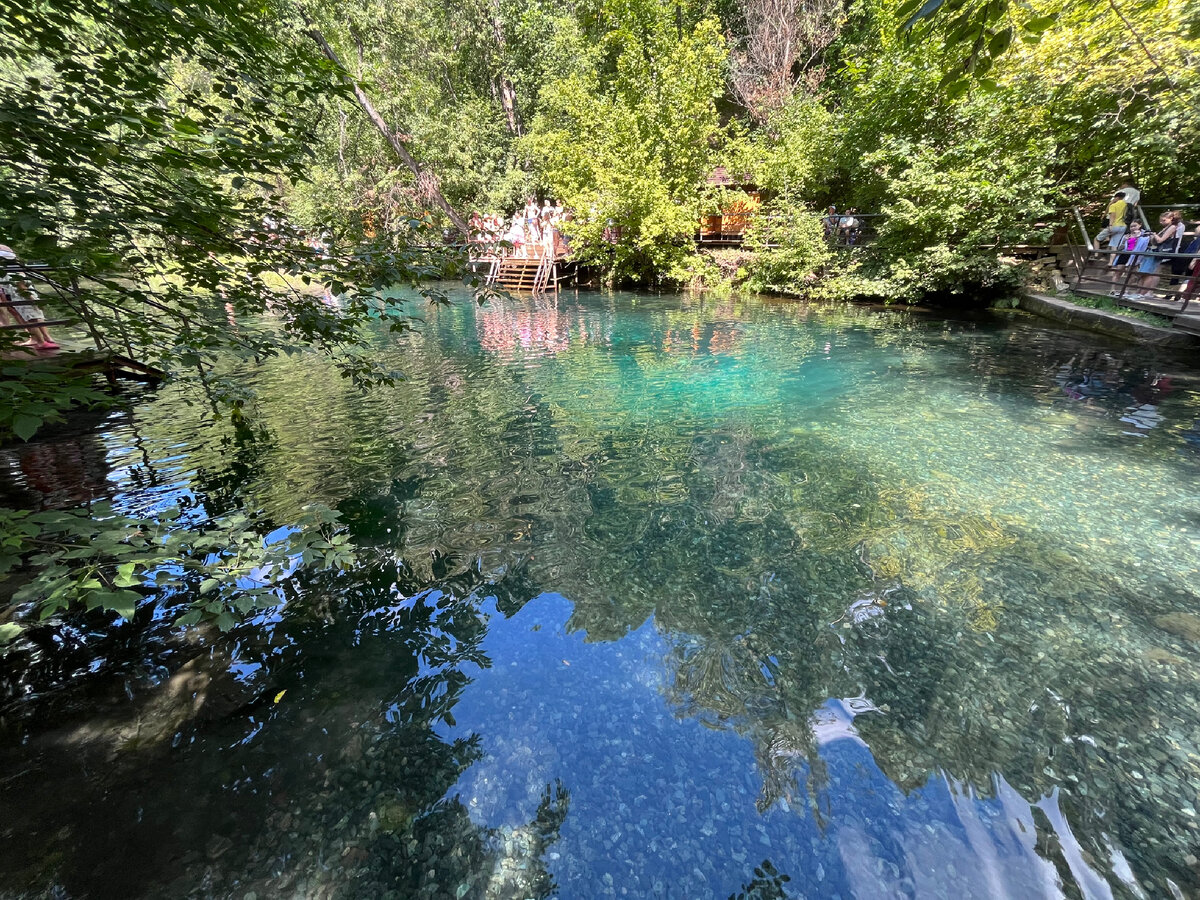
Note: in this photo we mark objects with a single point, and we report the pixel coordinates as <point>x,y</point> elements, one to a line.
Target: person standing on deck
<point>531,217</point>
<point>830,222</point>
<point>24,309</point>
<point>1133,199</point>
<point>1114,222</point>
<point>1123,261</point>
<point>847,226</point>
<point>1166,241</point>
<point>1188,291</point>
<point>516,235</point>
<point>1132,195</point>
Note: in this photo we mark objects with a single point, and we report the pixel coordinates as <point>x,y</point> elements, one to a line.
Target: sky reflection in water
<point>665,807</point>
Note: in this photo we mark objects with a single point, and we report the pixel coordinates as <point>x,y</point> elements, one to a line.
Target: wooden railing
<point>1095,269</point>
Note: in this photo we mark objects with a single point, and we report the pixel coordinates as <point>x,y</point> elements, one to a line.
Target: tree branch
<point>389,134</point>
<point>1141,43</point>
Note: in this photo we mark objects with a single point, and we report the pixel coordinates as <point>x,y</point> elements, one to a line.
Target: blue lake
<point>657,597</point>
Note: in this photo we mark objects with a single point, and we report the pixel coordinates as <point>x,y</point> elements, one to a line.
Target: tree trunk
<point>426,179</point>
<point>508,100</point>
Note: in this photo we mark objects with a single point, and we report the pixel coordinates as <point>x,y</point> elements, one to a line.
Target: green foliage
<point>147,155</point>
<point>959,194</point>
<point>145,147</point>
<point>975,35</point>
<point>34,393</point>
<point>90,559</point>
<point>789,158</point>
<point>941,272</point>
<point>1113,84</point>
<point>790,251</point>
<point>627,137</point>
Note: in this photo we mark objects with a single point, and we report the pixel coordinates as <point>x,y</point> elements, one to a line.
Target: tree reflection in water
<point>341,787</point>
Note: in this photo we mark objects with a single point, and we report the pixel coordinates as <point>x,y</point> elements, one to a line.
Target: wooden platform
<point>1096,278</point>
<point>105,361</point>
<point>521,275</point>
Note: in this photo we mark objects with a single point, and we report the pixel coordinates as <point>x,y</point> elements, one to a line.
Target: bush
<point>938,274</point>
<point>790,250</point>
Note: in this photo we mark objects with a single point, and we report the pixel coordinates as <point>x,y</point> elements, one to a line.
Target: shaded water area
<point>659,597</point>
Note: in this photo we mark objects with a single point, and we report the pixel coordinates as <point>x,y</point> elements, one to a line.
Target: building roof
<point>721,177</point>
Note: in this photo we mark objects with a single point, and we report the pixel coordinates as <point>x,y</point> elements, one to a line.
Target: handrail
<point>1190,205</point>
<point>1117,284</point>
<point>542,275</point>
<point>1087,238</point>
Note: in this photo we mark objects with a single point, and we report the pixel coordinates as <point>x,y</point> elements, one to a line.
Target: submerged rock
<point>393,816</point>
<point>1185,625</point>
<point>1159,655</point>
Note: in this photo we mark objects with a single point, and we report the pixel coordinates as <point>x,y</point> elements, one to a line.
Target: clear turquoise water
<point>662,597</point>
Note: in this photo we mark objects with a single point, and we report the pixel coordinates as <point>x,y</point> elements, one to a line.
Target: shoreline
<point>1104,322</point>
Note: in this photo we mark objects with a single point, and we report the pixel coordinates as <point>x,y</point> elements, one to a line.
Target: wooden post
<point>84,312</point>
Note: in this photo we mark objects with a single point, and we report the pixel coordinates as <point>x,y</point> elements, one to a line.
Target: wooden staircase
<point>1088,270</point>
<point>1092,274</point>
<point>525,275</point>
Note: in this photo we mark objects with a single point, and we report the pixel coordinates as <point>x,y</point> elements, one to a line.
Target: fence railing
<point>1128,274</point>
<point>17,307</point>
<point>838,233</point>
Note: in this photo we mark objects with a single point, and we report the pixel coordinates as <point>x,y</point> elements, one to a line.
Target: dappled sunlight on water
<point>660,596</point>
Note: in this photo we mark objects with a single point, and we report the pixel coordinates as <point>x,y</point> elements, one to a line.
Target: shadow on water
<point>639,611</point>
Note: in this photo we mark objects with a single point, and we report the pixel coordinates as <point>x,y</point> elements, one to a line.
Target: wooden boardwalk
<point>1092,276</point>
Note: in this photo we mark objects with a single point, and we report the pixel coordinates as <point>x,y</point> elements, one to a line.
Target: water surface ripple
<point>660,597</point>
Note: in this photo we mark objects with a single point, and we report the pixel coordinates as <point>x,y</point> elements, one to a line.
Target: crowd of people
<point>1140,257</point>
<point>533,232</point>
<point>20,307</point>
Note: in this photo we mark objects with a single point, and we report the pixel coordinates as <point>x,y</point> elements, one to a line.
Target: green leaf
<point>1000,42</point>
<point>123,603</point>
<point>24,425</point>
<point>1040,24</point>
<point>9,632</point>
<point>956,89</point>
<point>125,575</point>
